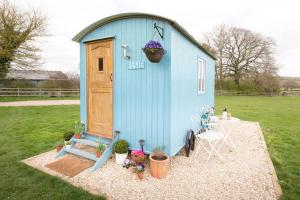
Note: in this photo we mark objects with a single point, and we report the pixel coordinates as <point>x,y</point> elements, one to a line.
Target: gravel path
<point>246,174</point>
<point>40,103</point>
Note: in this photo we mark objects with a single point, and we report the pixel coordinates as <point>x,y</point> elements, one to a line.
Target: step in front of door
<point>82,153</point>
<point>86,142</point>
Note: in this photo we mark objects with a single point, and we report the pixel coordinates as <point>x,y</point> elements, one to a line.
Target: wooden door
<point>100,88</point>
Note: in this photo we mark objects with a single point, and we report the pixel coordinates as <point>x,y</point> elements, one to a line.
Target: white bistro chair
<point>208,140</point>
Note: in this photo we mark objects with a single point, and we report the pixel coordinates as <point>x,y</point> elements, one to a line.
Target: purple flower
<point>153,45</point>
<point>140,167</point>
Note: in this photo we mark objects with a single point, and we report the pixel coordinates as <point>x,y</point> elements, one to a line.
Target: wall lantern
<point>124,47</point>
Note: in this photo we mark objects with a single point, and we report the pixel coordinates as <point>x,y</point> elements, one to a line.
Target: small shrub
<point>121,146</point>
<point>68,135</point>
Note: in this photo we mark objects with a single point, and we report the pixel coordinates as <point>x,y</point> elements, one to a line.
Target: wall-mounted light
<point>124,46</point>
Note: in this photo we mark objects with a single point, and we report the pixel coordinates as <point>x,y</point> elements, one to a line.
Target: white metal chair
<point>212,137</point>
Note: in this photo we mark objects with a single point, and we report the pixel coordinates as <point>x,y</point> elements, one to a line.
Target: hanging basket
<point>154,55</point>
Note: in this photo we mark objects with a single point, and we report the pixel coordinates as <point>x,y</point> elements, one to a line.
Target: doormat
<point>70,165</point>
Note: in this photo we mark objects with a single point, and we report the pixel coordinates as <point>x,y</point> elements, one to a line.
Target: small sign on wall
<point>134,65</point>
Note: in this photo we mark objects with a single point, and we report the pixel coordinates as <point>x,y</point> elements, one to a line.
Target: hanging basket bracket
<point>160,30</point>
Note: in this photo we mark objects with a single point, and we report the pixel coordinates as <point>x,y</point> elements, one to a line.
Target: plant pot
<point>140,175</point>
<point>224,115</point>
<point>58,148</point>
<point>77,135</point>
<point>133,169</point>
<point>98,154</point>
<point>159,165</point>
<point>137,159</point>
<point>120,158</point>
<point>154,55</point>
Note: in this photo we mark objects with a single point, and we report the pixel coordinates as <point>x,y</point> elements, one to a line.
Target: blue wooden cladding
<point>152,101</point>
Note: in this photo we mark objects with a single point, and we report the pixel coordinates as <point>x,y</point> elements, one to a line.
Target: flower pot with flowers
<point>99,150</point>
<point>138,156</point>
<point>140,168</point>
<point>154,51</point>
<point>79,128</point>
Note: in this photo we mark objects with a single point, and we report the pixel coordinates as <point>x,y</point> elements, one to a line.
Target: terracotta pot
<point>159,165</point>
<point>98,154</point>
<point>140,175</point>
<point>58,148</point>
<point>154,55</point>
<point>77,135</point>
<point>137,160</point>
<point>133,169</point>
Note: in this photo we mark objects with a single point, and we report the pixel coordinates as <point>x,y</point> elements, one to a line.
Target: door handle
<point>110,77</point>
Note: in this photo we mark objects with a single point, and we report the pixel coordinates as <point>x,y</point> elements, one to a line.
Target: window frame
<point>201,76</point>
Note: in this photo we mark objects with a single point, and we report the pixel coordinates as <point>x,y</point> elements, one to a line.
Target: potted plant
<point>58,147</point>
<point>138,156</point>
<point>154,51</point>
<point>99,150</point>
<point>140,168</point>
<point>79,128</point>
<point>159,164</point>
<point>68,144</point>
<point>68,135</point>
<point>224,114</point>
<point>121,150</point>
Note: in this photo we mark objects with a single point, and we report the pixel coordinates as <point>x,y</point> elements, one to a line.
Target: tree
<point>215,43</point>
<point>19,30</point>
<point>242,53</point>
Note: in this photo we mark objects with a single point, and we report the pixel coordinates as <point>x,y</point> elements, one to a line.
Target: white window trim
<point>201,79</point>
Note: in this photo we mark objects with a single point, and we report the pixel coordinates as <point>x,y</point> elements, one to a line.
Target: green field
<point>28,131</point>
<point>279,118</point>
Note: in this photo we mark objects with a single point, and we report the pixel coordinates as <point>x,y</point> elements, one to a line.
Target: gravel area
<point>246,174</point>
<point>40,103</point>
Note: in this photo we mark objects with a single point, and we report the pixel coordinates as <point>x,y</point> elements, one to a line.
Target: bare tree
<point>242,53</point>
<point>248,54</point>
<point>19,30</point>
<point>215,42</point>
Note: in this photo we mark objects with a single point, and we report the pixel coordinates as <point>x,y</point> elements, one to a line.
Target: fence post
<point>18,91</point>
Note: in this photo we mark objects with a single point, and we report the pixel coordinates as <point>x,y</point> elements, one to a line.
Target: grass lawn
<point>6,99</point>
<point>279,118</point>
<point>28,131</point>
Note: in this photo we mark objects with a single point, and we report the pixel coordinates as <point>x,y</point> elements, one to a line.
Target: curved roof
<point>97,24</point>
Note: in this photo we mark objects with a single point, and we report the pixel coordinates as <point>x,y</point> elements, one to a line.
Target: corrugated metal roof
<point>112,18</point>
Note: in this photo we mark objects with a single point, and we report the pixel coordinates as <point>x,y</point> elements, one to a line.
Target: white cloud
<point>277,19</point>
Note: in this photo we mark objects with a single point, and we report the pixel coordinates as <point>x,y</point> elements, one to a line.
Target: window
<point>100,64</point>
<point>201,76</point>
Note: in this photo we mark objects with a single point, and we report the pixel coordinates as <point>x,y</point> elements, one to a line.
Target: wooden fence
<point>47,92</point>
<point>254,93</point>
<point>60,92</point>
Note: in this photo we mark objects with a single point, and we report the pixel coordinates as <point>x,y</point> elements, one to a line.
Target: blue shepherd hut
<point>122,91</point>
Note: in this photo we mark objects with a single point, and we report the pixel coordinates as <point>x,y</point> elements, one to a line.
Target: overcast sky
<point>278,19</point>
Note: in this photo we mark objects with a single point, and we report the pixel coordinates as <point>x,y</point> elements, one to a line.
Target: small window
<point>201,76</point>
<point>100,64</point>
